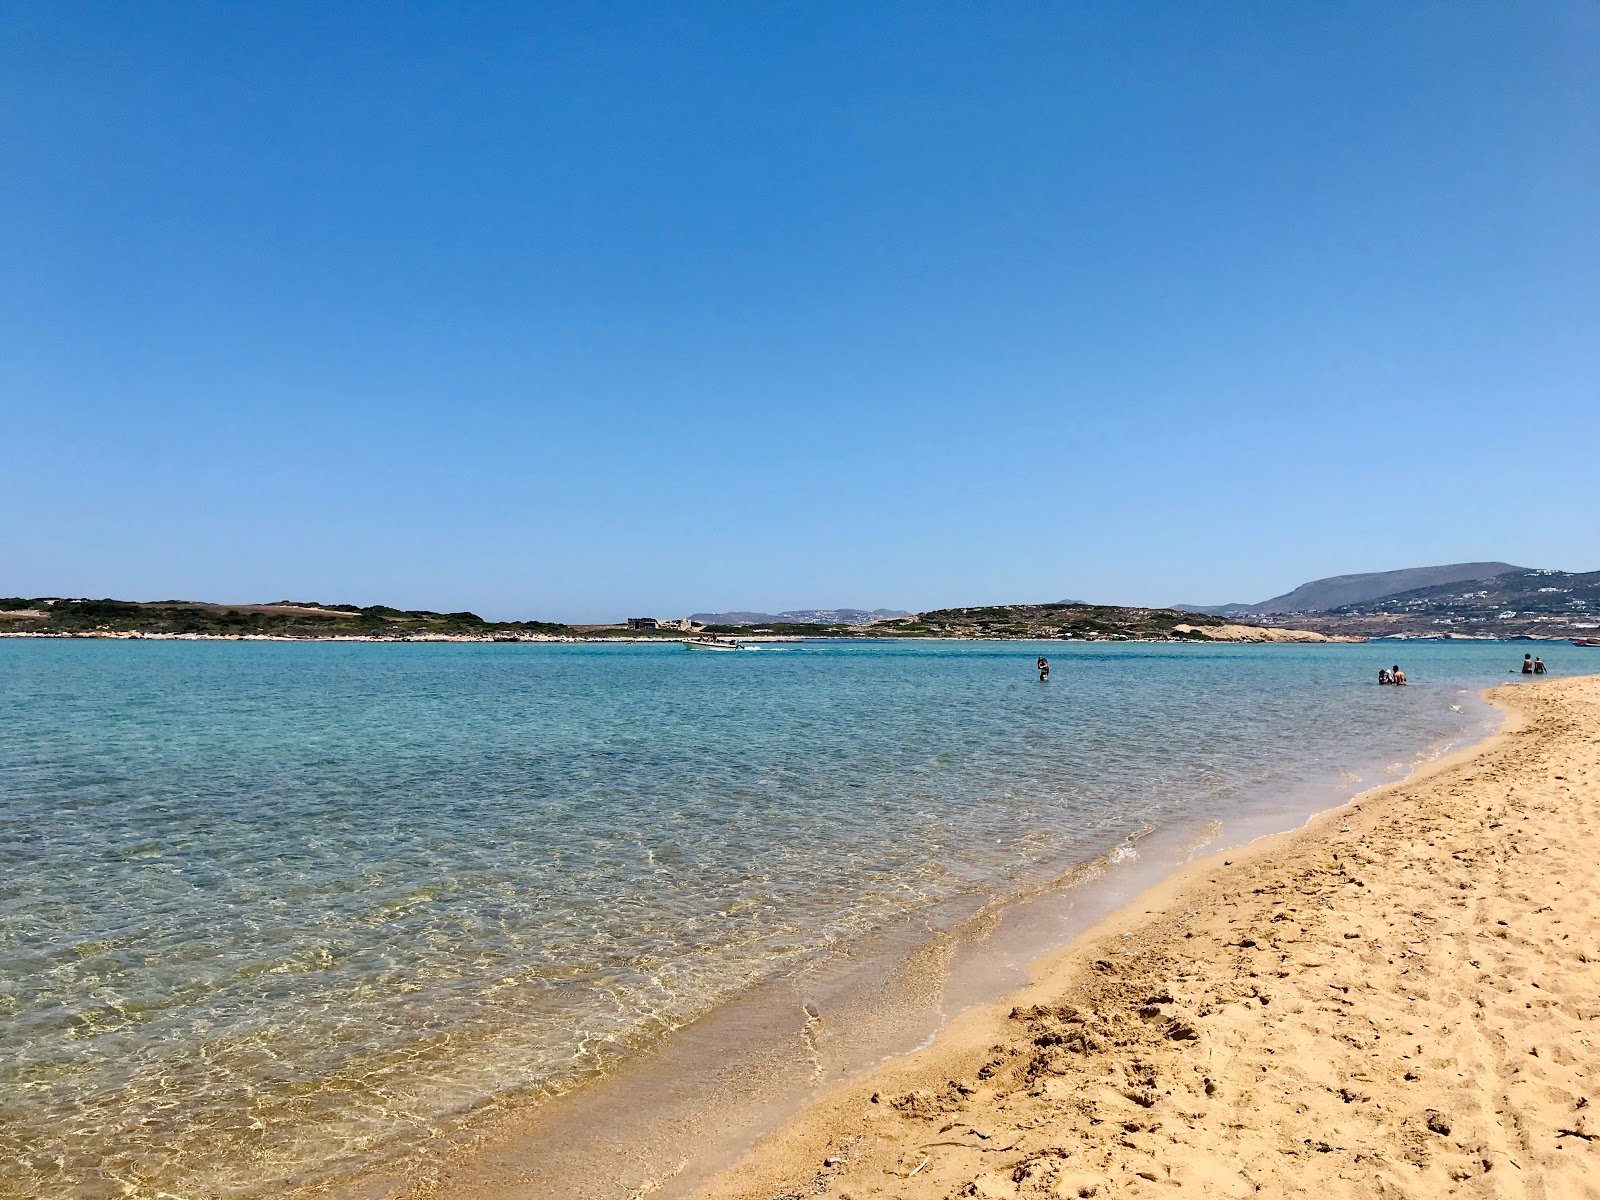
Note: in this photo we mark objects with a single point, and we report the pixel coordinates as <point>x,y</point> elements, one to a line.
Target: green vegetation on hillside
<point>310,619</point>
<point>284,619</point>
<point>1520,604</point>
<point>1088,622</point>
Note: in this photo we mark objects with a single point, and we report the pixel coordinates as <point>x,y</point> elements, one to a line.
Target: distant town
<point>1521,603</point>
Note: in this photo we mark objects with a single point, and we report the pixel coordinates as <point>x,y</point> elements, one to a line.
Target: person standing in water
<point>1398,676</point>
<point>1538,666</point>
<point>1527,664</point>
<point>1044,669</point>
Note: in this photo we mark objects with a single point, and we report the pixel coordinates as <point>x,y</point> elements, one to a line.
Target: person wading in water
<point>1044,669</point>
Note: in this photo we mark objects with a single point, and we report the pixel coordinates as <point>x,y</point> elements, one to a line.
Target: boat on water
<point>1591,642</point>
<point>712,643</point>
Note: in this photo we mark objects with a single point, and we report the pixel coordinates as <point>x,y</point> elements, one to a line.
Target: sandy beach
<point>1401,999</point>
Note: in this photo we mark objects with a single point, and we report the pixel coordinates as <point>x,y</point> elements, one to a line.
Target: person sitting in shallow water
<point>1383,677</point>
<point>1399,677</point>
<point>1538,666</point>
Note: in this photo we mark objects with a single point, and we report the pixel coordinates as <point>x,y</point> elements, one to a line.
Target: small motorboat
<point>1593,643</point>
<point>712,643</point>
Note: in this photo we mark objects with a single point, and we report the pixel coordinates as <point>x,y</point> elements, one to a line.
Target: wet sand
<point>1401,999</point>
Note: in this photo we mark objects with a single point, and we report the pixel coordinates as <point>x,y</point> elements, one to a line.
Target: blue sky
<point>584,310</point>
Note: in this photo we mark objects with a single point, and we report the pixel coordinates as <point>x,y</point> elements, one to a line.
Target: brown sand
<point>1402,999</point>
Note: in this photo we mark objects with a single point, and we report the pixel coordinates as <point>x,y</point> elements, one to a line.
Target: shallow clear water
<point>268,908</point>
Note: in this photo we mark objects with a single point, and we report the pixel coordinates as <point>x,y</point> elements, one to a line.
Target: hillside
<point>50,615</point>
<point>1064,620</point>
<point>1086,622</point>
<point>1336,591</point>
<point>1539,604</point>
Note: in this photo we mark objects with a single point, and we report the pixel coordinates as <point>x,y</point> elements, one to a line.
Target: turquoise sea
<point>273,912</point>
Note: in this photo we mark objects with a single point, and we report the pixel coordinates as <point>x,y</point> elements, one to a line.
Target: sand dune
<point>1402,1000</point>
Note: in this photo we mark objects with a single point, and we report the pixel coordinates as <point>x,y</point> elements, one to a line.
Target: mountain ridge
<point>1543,604</point>
<point>1338,591</point>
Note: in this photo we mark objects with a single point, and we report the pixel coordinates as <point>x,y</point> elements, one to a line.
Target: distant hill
<point>1325,595</point>
<point>802,616</point>
<point>1216,610</point>
<point>1080,622</point>
<point>286,618</point>
<point>1515,604</point>
<point>1066,620</point>
<point>57,617</point>
<point>1522,591</point>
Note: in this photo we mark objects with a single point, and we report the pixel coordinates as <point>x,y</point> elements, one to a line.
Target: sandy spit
<point>1263,633</point>
<point>1400,1000</point>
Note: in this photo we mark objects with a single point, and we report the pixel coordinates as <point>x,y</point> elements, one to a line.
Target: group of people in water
<point>1395,676</point>
<point>1387,676</point>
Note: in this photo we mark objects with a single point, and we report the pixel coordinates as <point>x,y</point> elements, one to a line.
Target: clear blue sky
<point>586,310</point>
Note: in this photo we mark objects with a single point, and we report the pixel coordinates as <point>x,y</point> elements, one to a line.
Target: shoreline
<point>765,638</point>
<point>971,967</point>
<point>1137,1057</point>
<point>761,638</point>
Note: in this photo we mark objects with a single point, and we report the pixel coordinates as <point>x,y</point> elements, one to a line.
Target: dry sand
<point>1402,999</point>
